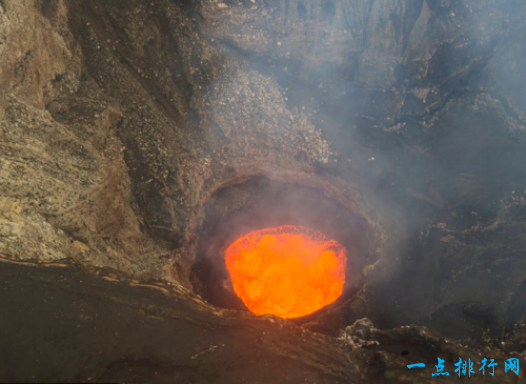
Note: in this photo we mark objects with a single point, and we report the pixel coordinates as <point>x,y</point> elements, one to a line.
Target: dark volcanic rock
<point>65,322</point>
<point>124,122</point>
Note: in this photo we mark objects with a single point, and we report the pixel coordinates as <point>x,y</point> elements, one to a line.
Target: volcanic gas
<point>286,271</point>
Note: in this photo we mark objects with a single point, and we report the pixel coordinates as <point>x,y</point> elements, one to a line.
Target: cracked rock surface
<point>120,120</point>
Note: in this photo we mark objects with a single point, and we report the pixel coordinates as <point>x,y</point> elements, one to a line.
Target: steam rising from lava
<point>286,271</point>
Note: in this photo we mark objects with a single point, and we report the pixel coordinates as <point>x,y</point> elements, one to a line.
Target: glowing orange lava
<point>286,271</point>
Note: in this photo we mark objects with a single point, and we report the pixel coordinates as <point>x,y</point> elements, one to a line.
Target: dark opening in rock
<point>328,11</point>
<point>261,203</point>
<point>302,11</point>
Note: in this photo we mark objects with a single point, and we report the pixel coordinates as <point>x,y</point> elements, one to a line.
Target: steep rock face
<point>138,124</point>
<point>120,119</point>
<point>65,189</point>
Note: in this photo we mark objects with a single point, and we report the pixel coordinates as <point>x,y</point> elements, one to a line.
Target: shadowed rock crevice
<point>131,131</point>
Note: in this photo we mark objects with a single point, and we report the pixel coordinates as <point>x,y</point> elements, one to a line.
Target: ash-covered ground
<point>137,136</point>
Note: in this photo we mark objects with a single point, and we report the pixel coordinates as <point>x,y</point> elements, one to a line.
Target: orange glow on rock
<point>286,271</point>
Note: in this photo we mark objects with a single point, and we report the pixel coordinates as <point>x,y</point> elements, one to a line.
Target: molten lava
<point>286,271</point>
